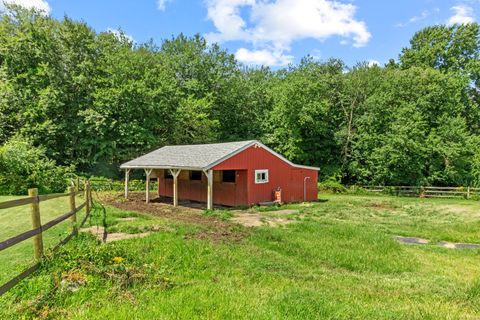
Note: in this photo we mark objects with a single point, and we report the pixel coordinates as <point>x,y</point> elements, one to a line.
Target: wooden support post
<point>36,223</point>
<point>175,173</point>
<point>148,172</point>
<point>78,184</point>
<point>209,174</point>
<point>468,192</point>
<point>90,198</point>
<point>127,178</point>
<point>73,218</point>
<point>87,197</point>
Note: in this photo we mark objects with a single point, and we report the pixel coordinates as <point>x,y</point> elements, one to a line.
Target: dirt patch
<point>99,232</point>
<point>127,219</point>
<point>258,220</point>
<point>283,212</point>
<point>248,220</point>
<point>379,205</point>
<point>213,229</point>
<point>456,209</point>
<point>122,236</point>
<point>277,222</point>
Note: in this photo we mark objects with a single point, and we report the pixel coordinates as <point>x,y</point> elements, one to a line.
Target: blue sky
<point>273,32</point>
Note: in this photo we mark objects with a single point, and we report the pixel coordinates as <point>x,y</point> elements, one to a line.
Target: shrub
<point>357,190</point>
<point>24,166</point>
<point>106,184</point>
<point>331,185</point>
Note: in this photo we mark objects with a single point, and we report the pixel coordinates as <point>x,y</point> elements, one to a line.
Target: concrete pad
<point>98,232</point>
<point>411,240</point>
<point>450,245</point>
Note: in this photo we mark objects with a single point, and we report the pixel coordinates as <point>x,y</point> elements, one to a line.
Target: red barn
<point>230,174</point>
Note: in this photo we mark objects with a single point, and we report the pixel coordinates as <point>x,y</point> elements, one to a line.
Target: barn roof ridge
<point>197,156</point>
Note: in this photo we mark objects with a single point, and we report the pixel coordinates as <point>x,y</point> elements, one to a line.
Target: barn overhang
<point>175,171</point>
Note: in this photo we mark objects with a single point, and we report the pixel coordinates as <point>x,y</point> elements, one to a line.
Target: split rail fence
<point>425,192</point>
<point>38,228</point>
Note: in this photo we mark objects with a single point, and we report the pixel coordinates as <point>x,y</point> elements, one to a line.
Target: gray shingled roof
<point>195,157</point>
<point>198,156</point>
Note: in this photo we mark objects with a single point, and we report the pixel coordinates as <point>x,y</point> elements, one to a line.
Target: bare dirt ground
<point>99,232</point>
<point>213,228</point>
<point>258,219</point>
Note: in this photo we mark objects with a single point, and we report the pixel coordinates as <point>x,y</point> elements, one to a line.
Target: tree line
<point>92,100</point>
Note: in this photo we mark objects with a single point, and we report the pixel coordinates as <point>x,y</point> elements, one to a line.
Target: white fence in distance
<point>425,192</point>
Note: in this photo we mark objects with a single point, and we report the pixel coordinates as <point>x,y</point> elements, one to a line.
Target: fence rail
<point>37,228</point>
<point>424,192</point>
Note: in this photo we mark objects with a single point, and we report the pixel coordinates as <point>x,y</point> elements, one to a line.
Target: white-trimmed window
<point>261,176</point>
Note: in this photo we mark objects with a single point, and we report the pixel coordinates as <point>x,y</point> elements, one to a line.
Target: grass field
<point>17,220</point>
<point>338,260</point>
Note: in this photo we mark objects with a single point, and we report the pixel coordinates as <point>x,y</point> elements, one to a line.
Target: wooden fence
<point>424,192</point>
<point>38,228</point>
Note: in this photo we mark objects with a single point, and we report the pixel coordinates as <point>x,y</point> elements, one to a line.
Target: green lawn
<point>17,220</point>
<point>337,261</point>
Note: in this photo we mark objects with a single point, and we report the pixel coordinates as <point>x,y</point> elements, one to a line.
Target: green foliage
<point>95,100</point>
<point>300,124</point>
<point>24,166</point>
<point>476,169</point>
<point>99,183</point>
<point>332,185</point>
<point>453,48</point>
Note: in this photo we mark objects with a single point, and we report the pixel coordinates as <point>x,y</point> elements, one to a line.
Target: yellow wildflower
<point>117,259</point>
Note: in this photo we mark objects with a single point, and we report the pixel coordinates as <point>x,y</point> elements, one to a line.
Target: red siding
<point>281,174</point>
<point>245,191</point>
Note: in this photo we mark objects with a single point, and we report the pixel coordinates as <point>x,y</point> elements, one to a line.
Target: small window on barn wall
<point>228,176</point>
<point>168,174</point>
<point>196,175</point>
<point>261,176</point>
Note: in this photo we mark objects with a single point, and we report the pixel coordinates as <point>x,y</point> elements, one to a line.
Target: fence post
<point>468,192</point>
<point>87,197</point>
<point>90,195</point>
<point>73,218</point>
<point>36,223</point>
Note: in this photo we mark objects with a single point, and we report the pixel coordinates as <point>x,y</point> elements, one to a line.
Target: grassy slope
<point>17,220</point>
<point>340,262</point>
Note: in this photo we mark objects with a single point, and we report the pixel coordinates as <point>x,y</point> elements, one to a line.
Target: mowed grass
<point>337,261</point>
<point>14,221</point>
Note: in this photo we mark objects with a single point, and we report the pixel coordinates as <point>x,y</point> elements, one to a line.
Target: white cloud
<point>40,5</point>
<point>120,33</point>
<point>263,57</point>
<point>273,26</point>
<point>372,63</point>
<point>424,15</point>
<point>316,54</point>
<point>462,14</point>
<point>162,4</point>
